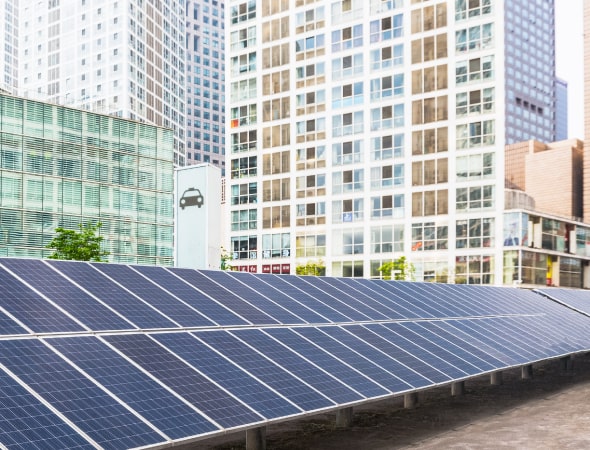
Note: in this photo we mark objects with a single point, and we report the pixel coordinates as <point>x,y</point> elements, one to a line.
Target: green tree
<point>83,245</point>
<point>316,269</point>
<point>226,257</point>
<point>400,268</point>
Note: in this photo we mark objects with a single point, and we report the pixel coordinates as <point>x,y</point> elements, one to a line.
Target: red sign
<point>266,268</point>
<point>285,268</point>
<point>252,269</point>
<point>276,268</point>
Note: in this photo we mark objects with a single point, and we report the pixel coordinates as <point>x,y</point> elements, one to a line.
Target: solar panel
<point>82,402</point>
<point>154,402</point>
<point>262,367</point>
<point>230,376</point>
<point>25,422</point>
<point>111,294</point>
<point>32,310</point>
<point>165,303</point>
<point>239,306</point>
<point>260,284</point>
<point>208,397</point>
<point>63,293</point>
<point>578,299</point>
<point>135,356</point>
<point>328,363</point>
<point>208,307</point>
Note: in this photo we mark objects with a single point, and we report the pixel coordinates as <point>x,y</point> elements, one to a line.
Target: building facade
<point>370,130</point>
<point>205,80</point>
<point>10,44</point>
<point>126,58</point>
<point>61,167</point>
<point>561,110</point>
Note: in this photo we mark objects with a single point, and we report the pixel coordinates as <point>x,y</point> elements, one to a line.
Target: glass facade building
<point>369,130</point>
<point>205,82</point>
<point>61,167</point>
<point>125,58</point>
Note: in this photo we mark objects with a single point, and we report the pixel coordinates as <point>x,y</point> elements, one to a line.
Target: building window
<point>276,217</point>
<point>347,38</point>
<point>475,102</point>
<point>311,214</point>
<point>387,176</point>
<point>475,167</point>
<point>387,87</point>
<point>347,66</point>
<point>347,124</point>
<point>347,95</point>
<point>474,70</point>
<point>472,8</point>
<point>474,269</point>
<point>429,236</point>
<point>388,206</point>
<point>474,233</point>
<point>348,210</point>
<point>244,247</point>
<point>310,185</point>
<point>475,198</point>
<point>347,152</point>
<point>387,239</point>
<point>310,245</point>
<point>276,245</point>
<point>387,57</point>
<point>310,157</point>
<point>474,38</point>
<point>387,147</point>
<point>244,167</point>
<point>387,117</point>
<point>348,181</point>
<point>386,28</point>
<point>244,193</point>
<point>476,134</point>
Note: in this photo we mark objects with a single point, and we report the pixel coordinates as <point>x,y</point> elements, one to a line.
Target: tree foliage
<point>225,260</point>
<point>400,268</point>
<point>316,269</point>
<point>83,245</point>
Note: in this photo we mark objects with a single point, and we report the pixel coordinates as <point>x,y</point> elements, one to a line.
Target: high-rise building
<point>561,105</point>
<point>370,130</point>
<point>64,167</point>
<point>10,43</point>
<point>125,58</point>
<point>205,82</point>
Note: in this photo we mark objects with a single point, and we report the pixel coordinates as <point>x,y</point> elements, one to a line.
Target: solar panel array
<point>112,356</point>
<point>574,298</point>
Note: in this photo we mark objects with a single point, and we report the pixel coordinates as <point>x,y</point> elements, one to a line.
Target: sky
<point>569,53</point>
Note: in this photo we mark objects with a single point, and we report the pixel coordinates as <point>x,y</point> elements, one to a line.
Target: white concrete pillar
<point>458,388</point>
<point>344,417</point>
<point>496,378</point>
<point>256,438</point>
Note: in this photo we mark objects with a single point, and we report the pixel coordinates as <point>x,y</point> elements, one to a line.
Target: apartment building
<point>62,167</point>
<point>125,58</point>
<point>362,131</point>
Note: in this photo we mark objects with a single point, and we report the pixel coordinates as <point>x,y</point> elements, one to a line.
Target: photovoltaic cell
<point>208,397</point>
<point>329,313</point>
<point>366,305</point>
<point>151,293</point>
<point>259,283</point>
<point>27,423</point>
<point>300,393</point>
<point>224,296</point>
<point>354,359</point>
<point>324,383</point>
<point>8,326</point>
<point>168,413</point>
<point>456,361</point>
<point>347,375</point>
<point>90,408</point>
<point>94,315</point>
<point>230,376</point>
<point>191,296</point>
<point>263,300</point>
<point>309,285</point>
<point>136,311</point>
<point>31,309</point>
